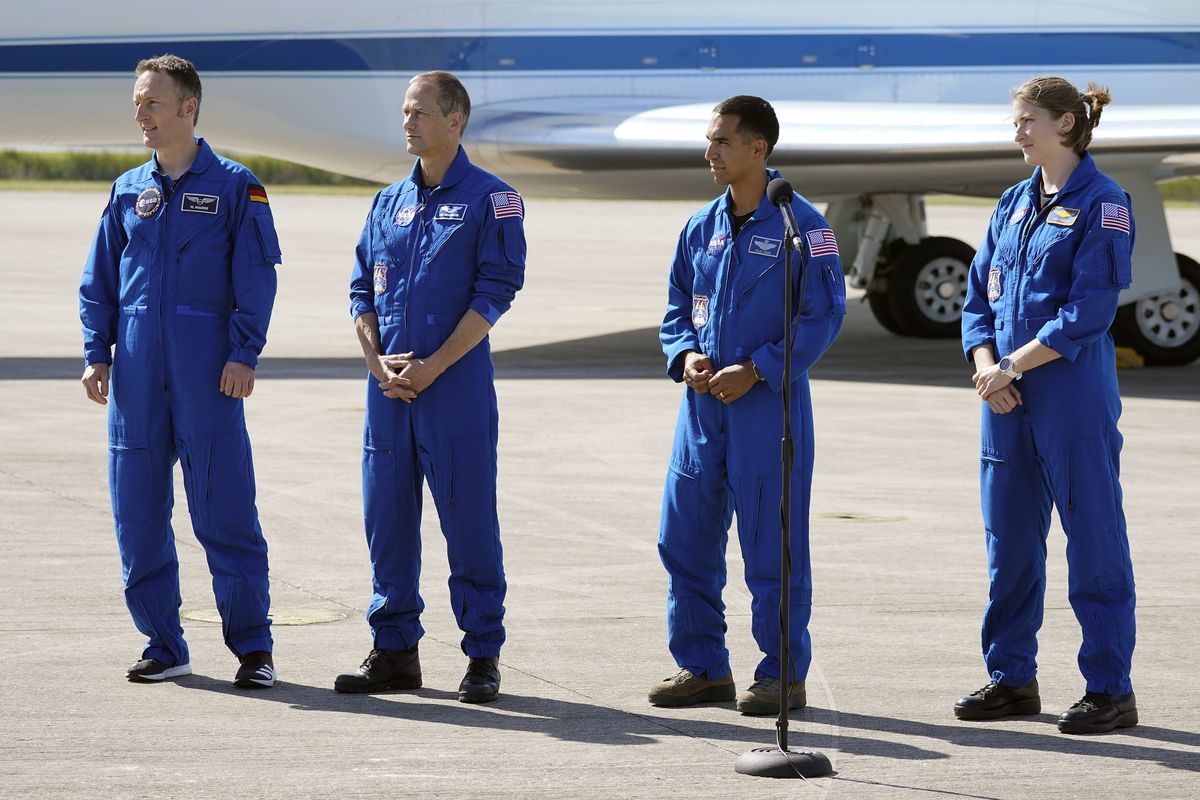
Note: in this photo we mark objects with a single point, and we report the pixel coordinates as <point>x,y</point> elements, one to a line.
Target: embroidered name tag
<point>1062,216</point>
<point>453,212</point>
<point>200,203</point>
<point>762,246</point>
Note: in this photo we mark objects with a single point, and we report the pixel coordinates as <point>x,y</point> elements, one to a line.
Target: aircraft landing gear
<point>1165,328</point>
<point>926,285</point>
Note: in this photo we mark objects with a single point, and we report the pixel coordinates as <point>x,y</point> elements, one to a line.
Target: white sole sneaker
<point>161,675</point>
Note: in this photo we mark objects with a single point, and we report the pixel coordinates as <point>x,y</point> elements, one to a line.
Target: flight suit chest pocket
<point>1050,241</point>
<point>438,234</point>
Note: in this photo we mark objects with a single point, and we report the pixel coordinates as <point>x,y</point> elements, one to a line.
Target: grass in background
<point>80,169</point>
<point>95,170</point>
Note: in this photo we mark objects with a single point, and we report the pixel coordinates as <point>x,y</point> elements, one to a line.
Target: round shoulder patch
<point>148,202</point>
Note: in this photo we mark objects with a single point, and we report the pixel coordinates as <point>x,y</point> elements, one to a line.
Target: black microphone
<point>780,193</point>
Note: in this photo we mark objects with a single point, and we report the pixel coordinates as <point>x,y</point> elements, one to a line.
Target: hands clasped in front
<point>403,376</point>
<point>996,389</point>
<point>726,385</point>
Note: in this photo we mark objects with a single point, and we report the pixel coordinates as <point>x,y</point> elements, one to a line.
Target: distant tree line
<point>105,166</point>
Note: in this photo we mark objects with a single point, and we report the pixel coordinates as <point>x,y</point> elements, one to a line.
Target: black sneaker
<point>1099,713</point>
<point>481,684</point>
<point>382,671</point>
<point>998,700</point>
<point>151,670</point>
<point>256,672</point>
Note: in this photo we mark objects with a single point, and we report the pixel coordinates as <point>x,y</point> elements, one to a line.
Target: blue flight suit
<point>180,280</point>
<point>1055,275</point>
<point>425,257</point>
<point>725,300</point>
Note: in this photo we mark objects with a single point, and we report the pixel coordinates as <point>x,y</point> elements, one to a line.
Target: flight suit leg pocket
<point>681,507</point>
<point>379,477</point>
<point>993,477</point>
<point>468,489</point>
<point>1089,480</point>
<point>130,478</point>
<point>228,483</point>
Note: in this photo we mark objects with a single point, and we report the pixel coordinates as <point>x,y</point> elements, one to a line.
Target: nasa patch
<point>453,212</point>
<point>717,243</point>
<point>1018,215</point>
<point>200,203</point>
<point>406,215</point>
<point>994,284</point>
<point>380,278</point>
<point>148,202</point>
<point>699,311</point>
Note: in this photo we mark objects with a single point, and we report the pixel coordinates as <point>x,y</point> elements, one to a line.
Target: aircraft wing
<point>827,149</point>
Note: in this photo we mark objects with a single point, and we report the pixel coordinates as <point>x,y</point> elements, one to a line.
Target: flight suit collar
<point>1081,177</point>
<point>204,159</point>
<point>455,173</point>
<point>766,210</point>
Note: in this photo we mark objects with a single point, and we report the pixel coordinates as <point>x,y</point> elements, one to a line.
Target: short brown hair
<point>452,95</point>
<point>1058,96</point>
<point>182,71</point>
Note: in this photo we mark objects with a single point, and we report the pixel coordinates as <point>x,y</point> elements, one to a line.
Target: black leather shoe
<point>481,684</point>
<point>997,700</point>
<point>383,670</point>
<point>1099,713</point>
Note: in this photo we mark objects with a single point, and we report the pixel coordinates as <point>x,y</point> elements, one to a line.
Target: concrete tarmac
<point>586,422</point>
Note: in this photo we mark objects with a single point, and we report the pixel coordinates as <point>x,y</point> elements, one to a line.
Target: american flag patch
<point>507,204</point>
<point>1114,215</point>
<point>822,242</point>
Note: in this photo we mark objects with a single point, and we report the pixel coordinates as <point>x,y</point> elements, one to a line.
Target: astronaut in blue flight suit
<point>441,256</point>
<point>176,296</point>
<point>723,336</point>
<point>1042,293</point>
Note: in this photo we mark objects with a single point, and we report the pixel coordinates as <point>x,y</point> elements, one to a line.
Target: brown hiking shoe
<point>762,697</point>
<point>687,689</point>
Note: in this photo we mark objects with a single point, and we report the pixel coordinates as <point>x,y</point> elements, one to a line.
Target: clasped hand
<point>996,389</point>
<point>726,385</point>
<point>403,376</point>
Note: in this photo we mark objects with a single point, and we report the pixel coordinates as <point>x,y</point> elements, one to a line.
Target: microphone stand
<point>782,762</point>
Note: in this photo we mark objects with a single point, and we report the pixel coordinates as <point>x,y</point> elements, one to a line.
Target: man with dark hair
<point>723,336</point>
<point>441,256</point>
<point>180,283</point>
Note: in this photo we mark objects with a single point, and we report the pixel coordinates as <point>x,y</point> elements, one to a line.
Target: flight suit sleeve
<point>1101,269</point>
<point>499,255</point>
<point>822,308</point>
<point>255,255</point>
<point>362,275</point>
<point>98,292</point>
<point>978,320</point>
<point>678,334</point>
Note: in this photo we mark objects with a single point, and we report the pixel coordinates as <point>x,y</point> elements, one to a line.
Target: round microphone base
<point>771,762</point>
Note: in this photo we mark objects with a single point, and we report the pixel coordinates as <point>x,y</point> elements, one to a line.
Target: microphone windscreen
<point>779,191</point>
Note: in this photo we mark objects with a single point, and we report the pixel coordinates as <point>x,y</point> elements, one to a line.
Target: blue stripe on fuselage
<point>592,52</point>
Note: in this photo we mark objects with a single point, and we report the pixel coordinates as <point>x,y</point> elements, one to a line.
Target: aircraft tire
<point>882,310</point>
<point>1164,328</point>
<point>927,286</point>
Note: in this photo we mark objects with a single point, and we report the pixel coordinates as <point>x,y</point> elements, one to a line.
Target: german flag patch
<point>257,194</point>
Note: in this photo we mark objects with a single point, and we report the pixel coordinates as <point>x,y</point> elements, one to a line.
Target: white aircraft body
<point>881,103</point>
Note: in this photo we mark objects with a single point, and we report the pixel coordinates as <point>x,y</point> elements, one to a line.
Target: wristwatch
<point>1006,366</point>
<point>758,376</point>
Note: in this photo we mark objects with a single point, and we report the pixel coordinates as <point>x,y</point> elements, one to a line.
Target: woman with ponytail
<point>1041,295</point>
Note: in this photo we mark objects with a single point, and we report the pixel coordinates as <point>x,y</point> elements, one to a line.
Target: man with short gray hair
<point>441,256</point>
